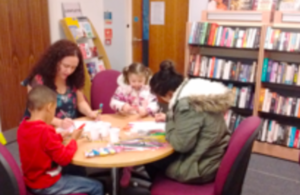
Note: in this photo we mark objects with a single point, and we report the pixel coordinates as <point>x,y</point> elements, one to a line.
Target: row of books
<point>243,96</point>
<point>280,72</point>
<point>214,35</point>
<point>218,68</point>
<point>233,120</point>
<point>273,102</point>
<point>276,133</point>
<point>282,40</point>
<point>80,27</point>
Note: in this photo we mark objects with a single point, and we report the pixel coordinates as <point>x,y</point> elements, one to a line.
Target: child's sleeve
<point>152,104</point>
<point>118,100</point>
<point>59,153</point>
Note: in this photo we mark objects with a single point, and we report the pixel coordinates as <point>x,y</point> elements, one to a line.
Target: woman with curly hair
<point>61,69</point>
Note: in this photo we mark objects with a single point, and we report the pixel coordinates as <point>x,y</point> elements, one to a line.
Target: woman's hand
<point>66,123</point>
<point>94,115</point>
<point>160,117</point>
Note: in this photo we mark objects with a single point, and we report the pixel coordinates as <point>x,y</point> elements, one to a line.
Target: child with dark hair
<point>195,125</point>
<point>40,148</point>
<point>133,96</point>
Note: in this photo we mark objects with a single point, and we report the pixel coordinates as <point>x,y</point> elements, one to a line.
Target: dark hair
<point>47,64</point>
<point>136,68</point>
<point>40,96</point>
<point>166,79</point>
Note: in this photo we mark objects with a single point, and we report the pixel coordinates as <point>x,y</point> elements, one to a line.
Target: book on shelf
<point>282,40</point>
<point>241,4</point>
<point>79,27</point>
<point>233,120</point>
<point>219,68</point>
<point>88,49</point>
<point>275,133</point>
<point>85,27</point>
<point>244,96</point>
<point>272,102</point>
<point>288,5</point>
<point>94,67</point>
<point>280,72</point>
<point>213,34</point>
<point>265,5</point>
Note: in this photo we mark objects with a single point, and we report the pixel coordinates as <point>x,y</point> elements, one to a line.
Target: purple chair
<point>103,87</point>
<point>230,176</point>
<point>11,176</point>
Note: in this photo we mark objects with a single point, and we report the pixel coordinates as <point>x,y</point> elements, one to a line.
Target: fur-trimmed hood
<point>204,95</point>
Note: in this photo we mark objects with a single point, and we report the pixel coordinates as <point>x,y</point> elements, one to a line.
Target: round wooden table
<point>122,159</point>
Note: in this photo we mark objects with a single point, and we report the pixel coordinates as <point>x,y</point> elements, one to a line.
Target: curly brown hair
<point>46,66</point>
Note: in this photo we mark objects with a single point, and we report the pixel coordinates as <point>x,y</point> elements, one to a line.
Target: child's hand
<point>66,123</point>
<point>65,134</point>
<point>94,115</point>
<point>160,117</point>
<point>127,109</point>
<point>76,134</point>
<point>142,111</point>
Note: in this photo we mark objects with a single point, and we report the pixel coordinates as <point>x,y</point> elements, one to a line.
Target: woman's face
<point>67,66</point>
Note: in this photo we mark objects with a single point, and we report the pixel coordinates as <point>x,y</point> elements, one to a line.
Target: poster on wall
<point>71,9</point>
<point>157,15</point>
<point>108,33</point>
<point>108,17</point>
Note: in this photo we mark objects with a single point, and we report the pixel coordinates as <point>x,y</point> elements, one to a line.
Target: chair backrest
<point>233,167</point>
<point>11,176</point>
<point>103,87</point>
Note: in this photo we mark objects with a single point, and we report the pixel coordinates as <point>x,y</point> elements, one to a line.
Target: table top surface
<point>122,159</point>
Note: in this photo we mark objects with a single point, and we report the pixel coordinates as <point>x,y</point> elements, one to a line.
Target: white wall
<point>93,9</point>
<point>195,9</point>
<point>119,52</point>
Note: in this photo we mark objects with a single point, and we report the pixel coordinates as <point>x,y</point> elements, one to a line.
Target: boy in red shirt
<point>41,147</point>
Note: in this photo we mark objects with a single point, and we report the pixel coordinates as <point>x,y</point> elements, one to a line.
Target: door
<point>137,31</point>
<point>24,35</point>
<point>168,41</point>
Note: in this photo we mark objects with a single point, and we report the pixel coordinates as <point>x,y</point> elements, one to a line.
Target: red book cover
<point>197,66</point>
<point>212,32</point>
<point>212,67</point>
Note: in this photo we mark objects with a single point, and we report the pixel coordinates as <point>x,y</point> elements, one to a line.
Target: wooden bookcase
<point>100,49</point>
<point>262,20</point>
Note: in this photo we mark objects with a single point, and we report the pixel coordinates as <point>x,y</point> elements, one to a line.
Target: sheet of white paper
<point>157,13</point>
<point>89,125</point>
<point>71,9</point>
<point>147,126</point>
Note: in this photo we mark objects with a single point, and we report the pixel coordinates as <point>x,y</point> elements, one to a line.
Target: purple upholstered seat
<point>103,87</point>
<point>232,170</point>
<point>11,176</point>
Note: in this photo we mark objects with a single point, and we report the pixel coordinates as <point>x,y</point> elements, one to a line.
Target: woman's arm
<point>83,106</point>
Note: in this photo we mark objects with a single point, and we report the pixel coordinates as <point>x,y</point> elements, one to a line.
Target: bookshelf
<point>94,39</point>
<point>260,20</point>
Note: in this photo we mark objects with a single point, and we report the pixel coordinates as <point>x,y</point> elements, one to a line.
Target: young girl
<point>133,96</point>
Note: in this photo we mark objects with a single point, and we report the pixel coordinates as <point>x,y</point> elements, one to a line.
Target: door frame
<point>128,37</point>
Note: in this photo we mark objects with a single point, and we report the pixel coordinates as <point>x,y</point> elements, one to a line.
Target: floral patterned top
<point>126,94</point>
<point>66,103</point>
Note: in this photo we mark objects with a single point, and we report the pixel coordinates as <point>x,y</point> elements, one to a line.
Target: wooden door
<point>168,41</point>
<point>137,31</point>
<point>24,35</point>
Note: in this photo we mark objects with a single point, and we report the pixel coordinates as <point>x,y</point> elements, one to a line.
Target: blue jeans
<point>69,184</point>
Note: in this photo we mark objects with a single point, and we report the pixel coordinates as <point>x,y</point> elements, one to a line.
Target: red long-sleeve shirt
<point>39,146</point>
